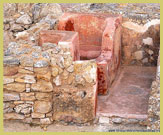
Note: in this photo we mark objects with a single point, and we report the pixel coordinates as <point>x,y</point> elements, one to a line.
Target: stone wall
<point>23,21</point>
<point>140,43</point>
<point>154,102</point>
<point>140,36</point>
<point>43,84</point>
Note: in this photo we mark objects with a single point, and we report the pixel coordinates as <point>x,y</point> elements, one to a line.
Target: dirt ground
<point>15,126</point>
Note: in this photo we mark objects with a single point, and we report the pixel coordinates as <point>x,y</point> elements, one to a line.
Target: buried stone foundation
<point>48,83</point>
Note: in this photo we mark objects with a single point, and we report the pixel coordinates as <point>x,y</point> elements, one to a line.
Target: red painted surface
<point>100,39</point>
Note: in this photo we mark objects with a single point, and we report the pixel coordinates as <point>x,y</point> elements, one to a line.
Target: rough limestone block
<point>7,79</point>
<point>37,115</point>
<point>42,86</point>
<point>23,109</point>
<point>10,96</point>
<point>25,78</point>
<point>42,107</point>
<point>13,116</point>
<point>17,87</point>
<point>44,96</point>
<point>10,70</point>
<point>27,96</point>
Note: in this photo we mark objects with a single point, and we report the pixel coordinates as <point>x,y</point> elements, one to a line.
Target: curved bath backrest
<point>90,28</point>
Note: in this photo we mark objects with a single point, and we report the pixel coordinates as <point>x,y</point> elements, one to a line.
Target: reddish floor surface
<point>129,94</point>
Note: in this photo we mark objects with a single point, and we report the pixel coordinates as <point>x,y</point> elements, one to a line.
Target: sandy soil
<point>15,126</point>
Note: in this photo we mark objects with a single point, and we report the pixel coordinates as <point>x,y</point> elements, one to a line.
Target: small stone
<point>68,62</point>
<point>90,74</point>
<point>9,9</point>
<point>50,114</point>
<point>24,19</point>
<point>29,102</point>
<point>70,69</point>
<point>26,61</point>
<point>35,29</point>
<point>8,110</point>
<point>65,74</point>
<point>32,38</point>
<point>45,55</point>
<point>37,115</point>
<point>24,8</point>
<point>70,79</point>
<point>18,102</point>
<point>79,79</point>
<point>41,63</point>
<point>23,108</point>
<point>139,47</point>
<point>60,61</point>
<point>13,46</point>
<point>42,107</point>
<point>51,8</point>
<point>17,87</point>
<point>45,121</point>
<point>104,120</point>
<point>117,120</point>
<point>60,70</point>
<point>23,71</point>
<point>148,41</point>
<point>43,70</point>
<point>47,46</point>
<point>150,52</point>
<point>10,70</point>
<point>55,71</point>
<point>16,27</point>
<point>6,105</point>
<point>8,60</point>
<point>29,68</point>
<point>138,55</point>
<point>53,62</point>
<point>152,58</point>
<point>42,86</point>
<point>57,81</point>
<point>13,116</point>
<point>145,60</point>
<point>23,50</point>
<point>45,77</point>
<point>27,96</point>
<point>7,80</point>
<point>24,35</point>
<point>37,48</point>
<point>6,27</point>
<point>132,121</point>
<point>26,78</point>
<point>10,96</point>
<point>35,55</point>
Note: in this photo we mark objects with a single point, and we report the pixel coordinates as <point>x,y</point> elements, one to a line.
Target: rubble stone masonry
<point>43,83</point>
